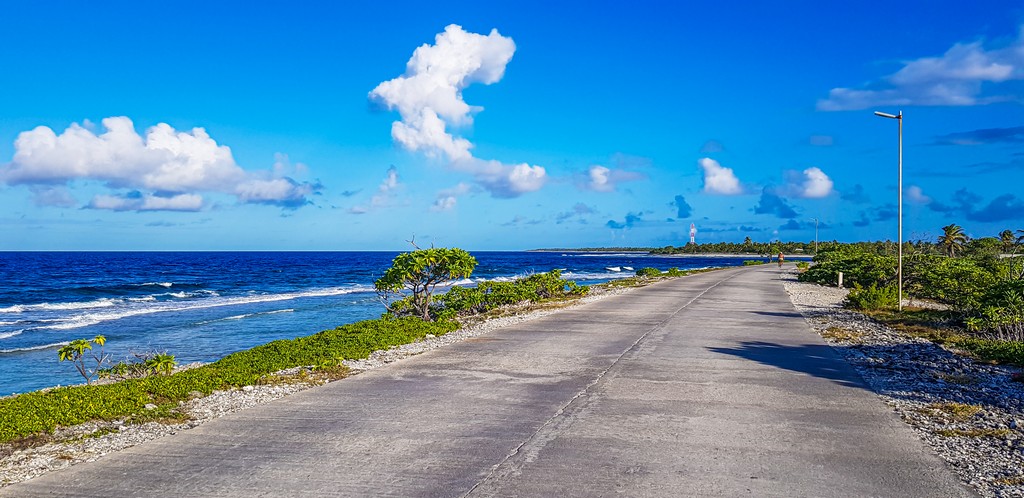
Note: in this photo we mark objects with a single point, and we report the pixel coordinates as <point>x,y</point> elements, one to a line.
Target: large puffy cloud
<point>166,162</point>
<point>960,77</point>
<point>719,179</point>
<point>429,99</point>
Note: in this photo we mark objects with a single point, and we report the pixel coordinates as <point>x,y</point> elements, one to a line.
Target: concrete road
<point>710,385</point>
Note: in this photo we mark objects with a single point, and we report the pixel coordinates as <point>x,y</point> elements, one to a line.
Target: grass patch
<point>842,335</point>
<point>964,380</point>
<point>956,411</point>
<point>32,414</point>
<point>996,433</point>
<point>937,326</point>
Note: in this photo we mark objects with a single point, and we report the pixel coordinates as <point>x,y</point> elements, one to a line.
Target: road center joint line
<point>531,447</point>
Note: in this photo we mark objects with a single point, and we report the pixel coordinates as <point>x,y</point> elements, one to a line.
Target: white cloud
<point>816,184</point>
<point>955,78</point>
<point>916,195</point>
<point>385,193</point>
<point>429,99</point>
<point>603,179</point>
<point>47,195</point>
<point>164,162</point>
<point>146,202</point>
<point>447,198</point>
<point>719,179</point>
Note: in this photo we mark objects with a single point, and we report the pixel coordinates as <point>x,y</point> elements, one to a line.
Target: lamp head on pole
<point>890,116</point>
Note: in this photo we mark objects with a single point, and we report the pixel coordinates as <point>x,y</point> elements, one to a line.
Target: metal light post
<point>899,188</point>
<point>815,236</point>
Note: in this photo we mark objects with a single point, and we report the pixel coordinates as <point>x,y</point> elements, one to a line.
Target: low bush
<point>872,297</point>
<point>1000,312</point>
<point>753,262</point>
<point>858,267</point>
<point>802,265</point>
<point>464,301</point>
<point>42,411</point>
<point>648,272</point>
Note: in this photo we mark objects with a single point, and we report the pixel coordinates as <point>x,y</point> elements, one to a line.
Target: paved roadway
<point>711,385</point>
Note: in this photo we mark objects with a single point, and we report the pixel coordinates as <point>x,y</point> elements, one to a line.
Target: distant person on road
<point>781,259</point>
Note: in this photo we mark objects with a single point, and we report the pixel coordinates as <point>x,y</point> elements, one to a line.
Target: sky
<point>504,125</point>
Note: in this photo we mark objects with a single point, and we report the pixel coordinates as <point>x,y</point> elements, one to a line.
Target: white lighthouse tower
<point>693,233</point>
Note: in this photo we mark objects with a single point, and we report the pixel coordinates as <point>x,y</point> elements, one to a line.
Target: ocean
<point>201,306</point>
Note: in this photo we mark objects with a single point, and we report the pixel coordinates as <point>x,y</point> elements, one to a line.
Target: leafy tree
<point>952,239</point>
<point>419,272</point>
<point>75,352</point>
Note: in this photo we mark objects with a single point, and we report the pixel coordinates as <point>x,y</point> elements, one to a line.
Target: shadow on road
<point>811,359</point>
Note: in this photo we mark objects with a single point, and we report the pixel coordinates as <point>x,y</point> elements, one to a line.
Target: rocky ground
<point>970,413</point>
<point>88,442</point>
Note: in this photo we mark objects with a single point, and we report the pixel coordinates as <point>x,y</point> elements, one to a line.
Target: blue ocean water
<point>202,306</point>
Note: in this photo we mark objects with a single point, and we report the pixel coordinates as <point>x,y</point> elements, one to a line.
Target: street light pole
<point>899,188</point>
<point>815,236</point>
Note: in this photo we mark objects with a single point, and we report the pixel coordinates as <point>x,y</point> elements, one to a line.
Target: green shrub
<point>676,272</point>
<point>753,262</point>
<point>1000,312</point>
<point>858,267</point>
<point>648,272</point>
<point>872,297</point>
<point>39,412</point>
<point>802,265</point>
<point>959,282</point>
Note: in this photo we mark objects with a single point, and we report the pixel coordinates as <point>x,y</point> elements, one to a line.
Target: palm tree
<point>952,239</point>
<point>1008,240</point>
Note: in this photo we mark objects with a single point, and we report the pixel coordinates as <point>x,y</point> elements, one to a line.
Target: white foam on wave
<point>248,315</point>
<point>165,285</point>
<point>5,335</point>
<point>88,319</point>
<point>9,323</point>
<point>34,348</point>
<point>22,308</point>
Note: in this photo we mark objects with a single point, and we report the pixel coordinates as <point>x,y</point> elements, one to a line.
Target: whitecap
<point>5,335</point>
<point>34,348</point>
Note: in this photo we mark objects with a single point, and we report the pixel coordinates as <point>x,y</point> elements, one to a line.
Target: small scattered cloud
<point>170,167</point>
<point>683,209</point>
<point>719,179</point>
<point>384,195</point>
<point>603,179</point>
<point>967,74</point>
<point>448,198</point>
<point>821,140</point>
<point>629,222</point>
<point>771,203</point>
<point>350,193</point>
<point>429,99</point>
<point>520,221</point>
<point>578,211</point>
<point>915,195</point>
<point>52,196</point>
<point>1002,208</point>
<point>1013,135</point>
<point>811,183</point>
<point>137,201</point>
<point>793,224</point>
<point>856,195</point>
<point>711,147</point>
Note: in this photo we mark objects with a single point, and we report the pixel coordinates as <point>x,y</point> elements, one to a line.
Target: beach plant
<point>81,354</point>
<point>420,272</point>
<point>872,297</point>
<point>648,272</point>
<point>43,411</point>
<point>161,364</point>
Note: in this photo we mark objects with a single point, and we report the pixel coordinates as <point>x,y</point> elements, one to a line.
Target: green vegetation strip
<point>43,411</point>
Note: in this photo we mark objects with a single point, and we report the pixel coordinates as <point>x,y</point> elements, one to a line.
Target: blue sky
<point>491,125</point>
